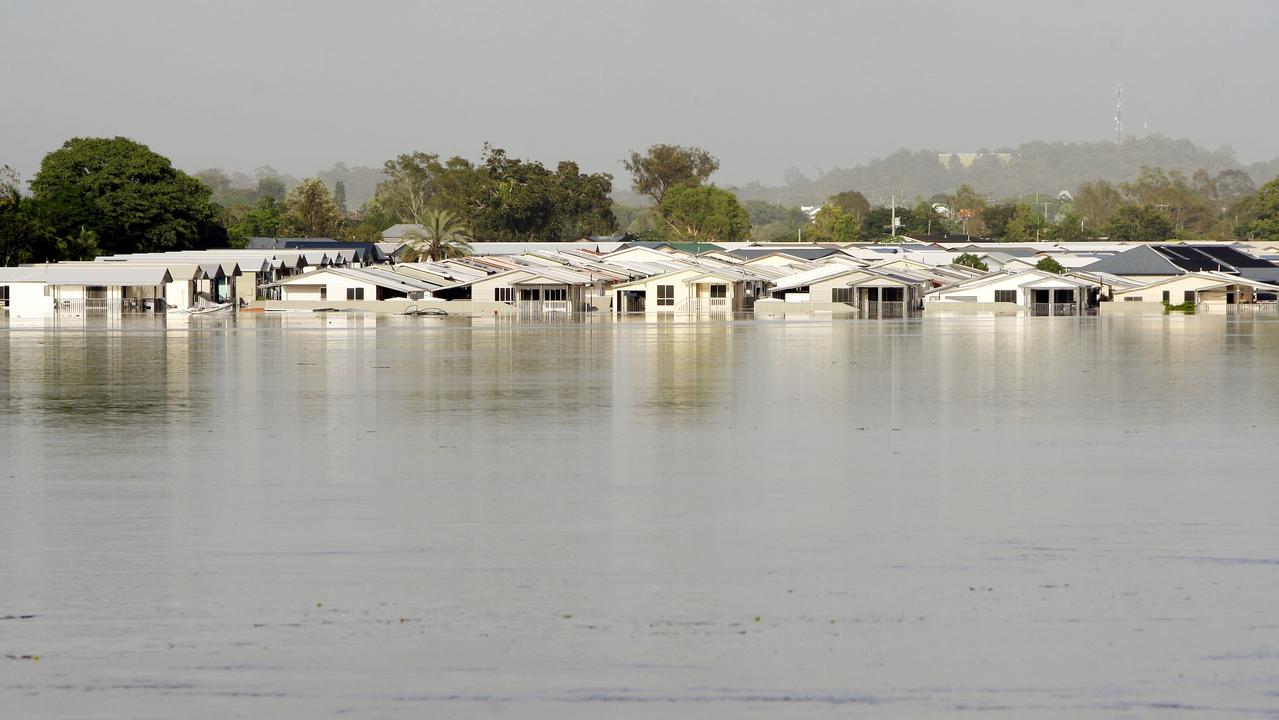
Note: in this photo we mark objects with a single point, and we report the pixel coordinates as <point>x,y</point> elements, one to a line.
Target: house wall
<point>482,290</point>
<point>28,298</point>
<point>682,293</point>
<point>1176,290</point>
<point>337,286</point>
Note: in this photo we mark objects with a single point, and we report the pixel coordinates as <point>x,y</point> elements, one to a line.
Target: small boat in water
<point>209,309</point>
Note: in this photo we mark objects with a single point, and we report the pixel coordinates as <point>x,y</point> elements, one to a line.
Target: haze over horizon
<point>764,85</point>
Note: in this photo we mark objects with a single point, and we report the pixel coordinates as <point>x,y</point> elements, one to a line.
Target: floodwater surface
<point>301,517</point>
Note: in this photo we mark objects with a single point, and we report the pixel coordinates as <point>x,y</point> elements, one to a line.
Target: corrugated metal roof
<point>107,274</point>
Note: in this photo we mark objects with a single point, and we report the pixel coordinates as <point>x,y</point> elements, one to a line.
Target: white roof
<point>107,274</point>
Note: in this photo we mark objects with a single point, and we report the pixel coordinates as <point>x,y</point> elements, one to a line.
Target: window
<point>505,294</point>
<point>719,291</point>
<point>1167,296</point>
<point>842,295</point>
<point>554,294</point>
<point>355,293</point>
<point>4,296</point>
<point>530,294</point>
<point>324,292</point>
<point>665,294</point>
<point>1132,299</point>
<point>1008,296</point>
<point>1189,296</point>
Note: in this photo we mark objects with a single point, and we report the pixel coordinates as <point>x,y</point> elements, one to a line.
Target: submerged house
<point>1037,291</point>
<point>341,284</point>
<point>83,288</point>
<point>540,288</point>
<point>693,289</point>
<point>1200,289</point>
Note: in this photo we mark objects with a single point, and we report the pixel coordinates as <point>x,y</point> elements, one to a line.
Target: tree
<point>263,220</point>
<point>271,187</point>
<point>409,187</point>
<point>23,236</point>
<point>1139,223</point>
<point>1027,223</point>
<point>972,261</point>
<point>83,245</point>
<point>1259,214</point>
<point>704,213</point>
<point>665,166</point>
<point>1069,227</point>
<point>996,219</point>
<point>1048,264</point>
<point>832,223</point>
<point>131,198</point>
<point>441,235</point>
<point>339,196</point>
<point>311,212</point>
<point>851,202</point>
<point>1097,202</point>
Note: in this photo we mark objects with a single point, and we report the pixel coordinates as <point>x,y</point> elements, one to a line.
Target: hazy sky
<point>764,85</point>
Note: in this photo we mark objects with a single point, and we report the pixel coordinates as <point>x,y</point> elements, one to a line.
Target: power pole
<point>893,222</point>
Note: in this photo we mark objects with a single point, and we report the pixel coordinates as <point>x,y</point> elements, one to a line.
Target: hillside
<point>1036,167</point>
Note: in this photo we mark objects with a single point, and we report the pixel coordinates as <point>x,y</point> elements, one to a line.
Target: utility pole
<point>893,222</point>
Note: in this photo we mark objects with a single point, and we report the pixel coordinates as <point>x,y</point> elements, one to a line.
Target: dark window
<point>1008,296</point>
<point>4,296</point>
<point>504,294</point>
<point>555,294</point>
<point>719,291</point>
<point>1167,296</point>
<point>842,295</point>
<point>324,293</point>
<point>1189,296</point>
<point>1132,299</point>
<point>530,294</point>
<point>355,293</point>
<point>665,294</point>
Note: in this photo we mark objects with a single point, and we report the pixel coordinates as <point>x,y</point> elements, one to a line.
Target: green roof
<point>692,248</point>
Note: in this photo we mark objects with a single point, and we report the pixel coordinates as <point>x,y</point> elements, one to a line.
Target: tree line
<point>113,195</point>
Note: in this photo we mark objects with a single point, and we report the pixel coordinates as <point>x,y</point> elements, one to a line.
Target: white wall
<point>28,298</point>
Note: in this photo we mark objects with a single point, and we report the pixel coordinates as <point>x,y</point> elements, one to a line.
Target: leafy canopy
<point>704,213</point>
<point>130,198</point>
<point>663,167</point>
<point>441,235</point>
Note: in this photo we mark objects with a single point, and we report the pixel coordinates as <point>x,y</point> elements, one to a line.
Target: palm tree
<point>441,235</point>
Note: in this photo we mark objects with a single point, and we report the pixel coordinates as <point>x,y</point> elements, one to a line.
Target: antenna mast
<point>1119,114</point>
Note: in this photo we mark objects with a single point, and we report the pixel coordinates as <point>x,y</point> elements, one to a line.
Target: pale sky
<point>764,85</point>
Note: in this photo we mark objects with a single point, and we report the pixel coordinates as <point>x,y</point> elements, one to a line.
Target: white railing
<point>718,303</point>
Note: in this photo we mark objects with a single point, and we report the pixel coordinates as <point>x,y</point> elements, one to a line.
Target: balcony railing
<point>1047,309</point>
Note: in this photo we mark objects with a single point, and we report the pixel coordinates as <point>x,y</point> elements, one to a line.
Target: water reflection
<point>378,512</point>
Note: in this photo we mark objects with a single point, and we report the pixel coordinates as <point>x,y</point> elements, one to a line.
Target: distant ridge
<point>1034,167</point>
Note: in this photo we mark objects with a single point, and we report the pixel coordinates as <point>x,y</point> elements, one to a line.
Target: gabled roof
<point>384,279</point>
<point>107,274</point>
<point>818,274</point>
<point>1030,277</point>
<point>1140,260</point>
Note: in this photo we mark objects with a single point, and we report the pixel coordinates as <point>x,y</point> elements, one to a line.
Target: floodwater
<point>301,517</point>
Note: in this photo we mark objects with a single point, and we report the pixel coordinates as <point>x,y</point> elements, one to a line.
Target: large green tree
<point>834,223</point>
<point>704,213</point>
<point>1140,223</point>
<point>1258,214</point>
<point>310,211</point>
<point>851,202</point>
<point>503,198</point>
<point>663,167</point>
<point>131,198</point>
<point>23,236</point>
